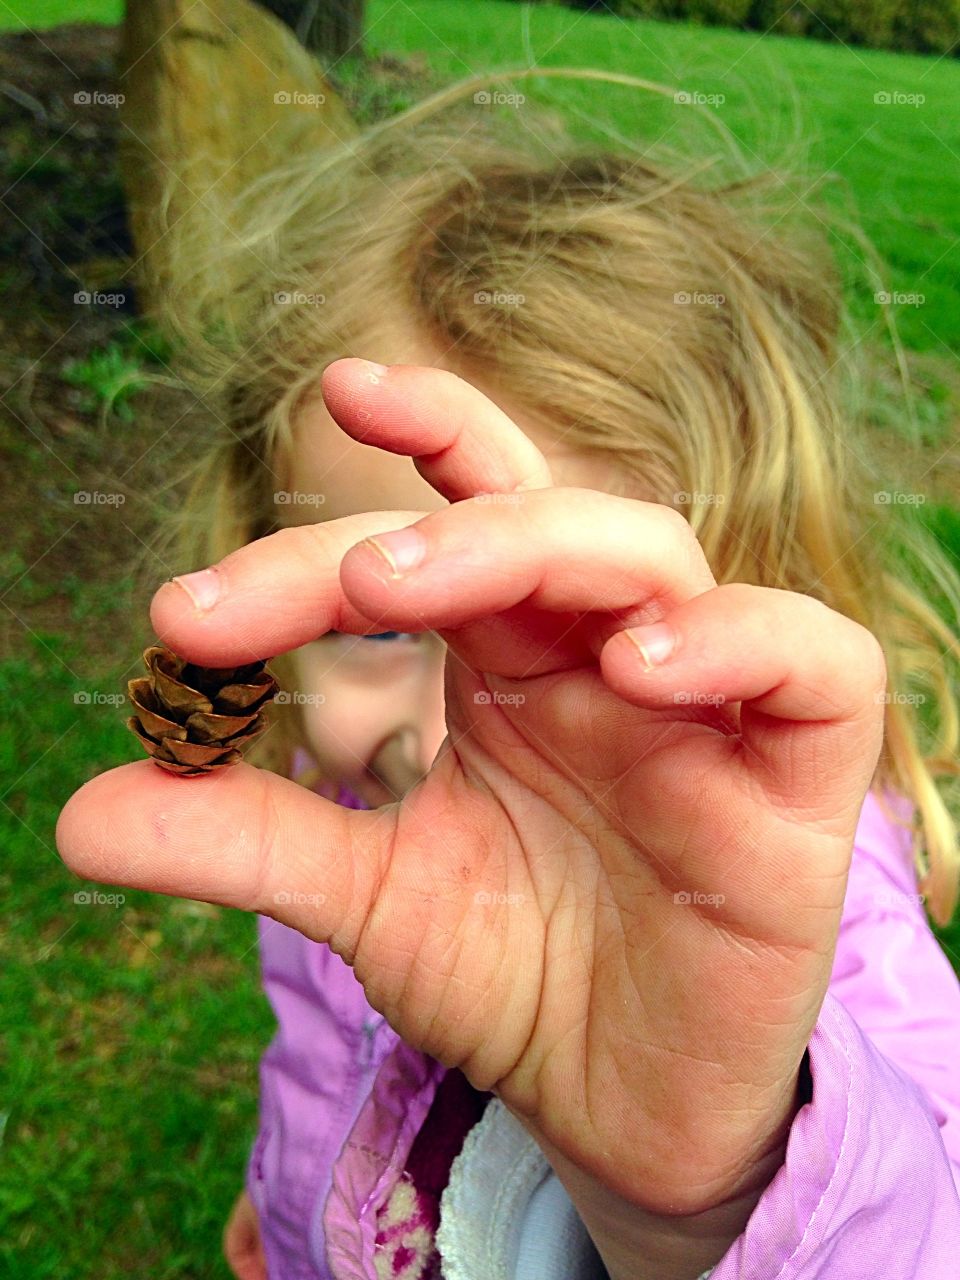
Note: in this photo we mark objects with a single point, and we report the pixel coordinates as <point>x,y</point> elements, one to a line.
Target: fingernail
<point>202,587</point>
<point>402,549</point>
<point>655,642</point>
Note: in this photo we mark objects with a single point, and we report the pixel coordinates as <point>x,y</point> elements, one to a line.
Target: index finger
<point>272,595</point>
<point>460,441</point>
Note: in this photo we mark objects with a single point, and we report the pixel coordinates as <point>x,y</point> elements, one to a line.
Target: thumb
<point>241,837</point>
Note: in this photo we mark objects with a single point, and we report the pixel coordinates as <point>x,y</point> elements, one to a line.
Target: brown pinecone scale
<point>194,719</point>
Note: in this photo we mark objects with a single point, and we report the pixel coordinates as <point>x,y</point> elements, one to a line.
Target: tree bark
<point>331,28</point>
<point>215,95</point>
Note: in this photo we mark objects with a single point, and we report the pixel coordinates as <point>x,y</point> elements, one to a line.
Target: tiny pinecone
<point>196,719</point>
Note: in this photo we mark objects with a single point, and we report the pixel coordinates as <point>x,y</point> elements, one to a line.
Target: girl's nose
<point>398,762</point>
<point>406,754</point>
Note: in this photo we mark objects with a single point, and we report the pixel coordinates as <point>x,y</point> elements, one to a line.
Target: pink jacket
<point>869,1187</point>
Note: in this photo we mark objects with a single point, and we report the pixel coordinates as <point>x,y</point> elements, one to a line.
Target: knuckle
<point>301,549</point>
<point>536,476</point>
<point>266,858</point>
<point>680,536</point>
<point>675,523</point>
<point>306,541</point>
<point>871,659</point>
<point>677,529</point>
<point>858,653</point>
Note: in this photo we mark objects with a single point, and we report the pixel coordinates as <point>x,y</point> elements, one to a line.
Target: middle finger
<point>459,440</point>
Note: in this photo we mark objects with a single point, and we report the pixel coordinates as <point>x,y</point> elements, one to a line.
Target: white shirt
<point>505,1215</point>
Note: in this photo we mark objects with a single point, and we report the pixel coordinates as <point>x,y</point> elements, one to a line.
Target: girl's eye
<point>393,635</point>
<point>382,635</point>
<point>381,656</point>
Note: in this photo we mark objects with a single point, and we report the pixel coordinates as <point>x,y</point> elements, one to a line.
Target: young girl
<point>626,971</point>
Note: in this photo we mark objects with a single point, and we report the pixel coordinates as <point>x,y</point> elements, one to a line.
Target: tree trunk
<point>215,94</point>
<point>331,28</point>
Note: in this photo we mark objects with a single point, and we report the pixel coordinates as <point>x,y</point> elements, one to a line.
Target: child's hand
<point>242,1246</point>
<point>615,897</point>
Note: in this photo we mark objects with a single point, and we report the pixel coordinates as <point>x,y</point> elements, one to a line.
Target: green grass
<point>132,1031</point>
<point>111,376</point>
<point>16,15</point>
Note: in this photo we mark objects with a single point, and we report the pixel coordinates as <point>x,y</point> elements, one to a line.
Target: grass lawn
<point>15,15</point>
<point>132,1030</point>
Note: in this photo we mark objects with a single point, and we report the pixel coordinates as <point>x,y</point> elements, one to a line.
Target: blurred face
<point>380,722</point>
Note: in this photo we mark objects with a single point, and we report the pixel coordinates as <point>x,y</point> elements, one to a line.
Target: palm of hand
<point>597,911</point>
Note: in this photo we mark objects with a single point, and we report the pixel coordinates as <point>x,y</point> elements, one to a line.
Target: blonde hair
<point>730,405</point>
